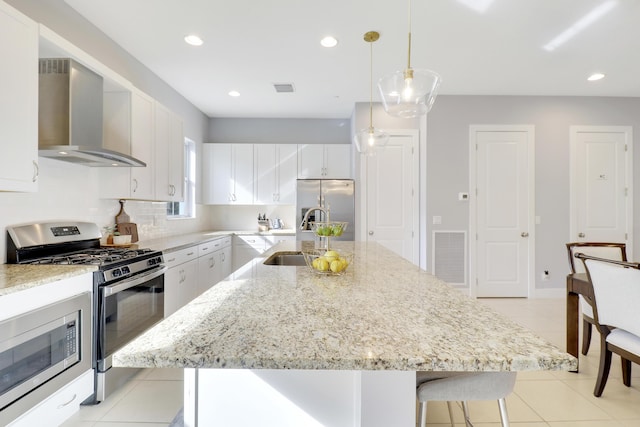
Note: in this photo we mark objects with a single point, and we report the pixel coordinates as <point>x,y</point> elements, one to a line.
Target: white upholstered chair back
<point>608,252</point>
<point>617,295</point>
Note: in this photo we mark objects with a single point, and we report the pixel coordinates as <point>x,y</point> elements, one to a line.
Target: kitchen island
<point>343,347</point>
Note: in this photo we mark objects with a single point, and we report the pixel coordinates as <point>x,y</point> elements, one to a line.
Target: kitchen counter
<point>305,349</point>
<point>19,277</point>
<point>384,313</point>
<point>172,243</point>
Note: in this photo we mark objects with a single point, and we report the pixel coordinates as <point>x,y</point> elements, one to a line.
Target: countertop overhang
<point>384,313</point>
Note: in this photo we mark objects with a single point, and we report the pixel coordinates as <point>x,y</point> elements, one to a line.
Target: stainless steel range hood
<point>70,116</point>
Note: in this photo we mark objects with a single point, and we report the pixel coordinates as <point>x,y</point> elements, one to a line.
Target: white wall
<point>279,131</point>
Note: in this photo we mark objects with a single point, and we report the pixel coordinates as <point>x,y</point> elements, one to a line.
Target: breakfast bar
<point>298,347</point>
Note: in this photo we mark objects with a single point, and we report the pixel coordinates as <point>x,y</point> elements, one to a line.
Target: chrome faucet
<point>303,224</point>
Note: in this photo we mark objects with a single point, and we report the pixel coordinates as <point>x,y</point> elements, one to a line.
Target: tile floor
<point>541,399</point>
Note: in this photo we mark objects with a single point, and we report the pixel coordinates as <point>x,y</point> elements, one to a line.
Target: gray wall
<point>279,131</point>
<point>66,22</point>
<point>448,161</point>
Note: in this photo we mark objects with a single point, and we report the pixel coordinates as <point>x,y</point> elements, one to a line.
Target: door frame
<point>573,141</point>
<point>473,214</point>
<point>362,187</point>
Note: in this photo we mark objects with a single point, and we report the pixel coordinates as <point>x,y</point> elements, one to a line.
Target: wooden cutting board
<point>122,216</point>
<point>130,228</point>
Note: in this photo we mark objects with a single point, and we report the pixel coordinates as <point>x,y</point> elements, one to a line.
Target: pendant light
<point>409,93</point>
<point>368,140</point>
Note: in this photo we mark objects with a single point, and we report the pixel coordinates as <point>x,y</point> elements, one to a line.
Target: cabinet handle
<point>62,405</point>
<point>135,185</point>
<point>212,262</point>
<point>36,171</point>
<point>189,253</point>
<point>222,256</point>
<point>171,260</point>
<point>205,248</point>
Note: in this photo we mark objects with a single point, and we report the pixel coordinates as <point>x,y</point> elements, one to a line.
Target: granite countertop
<point>383,313</point>
<point>18,277</point>
<point>172,243</point>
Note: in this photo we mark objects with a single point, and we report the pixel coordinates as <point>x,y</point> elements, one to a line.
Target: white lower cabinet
<point>247,247</point>
<point>60,406</point>
<point>214,262</point>
<point>181,279</point>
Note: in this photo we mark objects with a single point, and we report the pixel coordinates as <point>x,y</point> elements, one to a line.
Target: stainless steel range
<point>128,286</point>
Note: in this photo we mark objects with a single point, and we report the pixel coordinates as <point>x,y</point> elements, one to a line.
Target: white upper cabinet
<point>142,182</point>
<point>19,101</point>
<point>324,161</point>
<point>275,173</point>
<point>169,155</point>
<point>227,174</point>
<point>128,128</point>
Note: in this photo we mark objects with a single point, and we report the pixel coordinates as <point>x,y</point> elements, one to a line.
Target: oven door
<point>126,309</point>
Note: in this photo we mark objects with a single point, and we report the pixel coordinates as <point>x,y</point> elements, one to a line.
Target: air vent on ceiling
<point>284,87</point>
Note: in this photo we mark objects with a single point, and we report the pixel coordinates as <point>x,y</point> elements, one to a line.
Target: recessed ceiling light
<point>234,93</point>
<point>193,40</point>
<point>329,41</point>
<point>595,76</point>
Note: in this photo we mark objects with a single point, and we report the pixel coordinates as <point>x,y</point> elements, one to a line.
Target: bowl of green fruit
<point>329,262</point>
<point>329,228</point>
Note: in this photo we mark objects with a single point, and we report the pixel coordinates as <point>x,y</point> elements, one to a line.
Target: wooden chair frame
<point>588,321</point>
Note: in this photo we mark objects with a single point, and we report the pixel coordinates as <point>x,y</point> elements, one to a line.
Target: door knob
<point>580,234</point>
<point>371,233</point>
<point>524,234</point>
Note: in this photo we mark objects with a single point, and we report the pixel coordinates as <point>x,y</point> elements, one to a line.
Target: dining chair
<point>616,289</point>
<point>615,251</point>
<point>463,386</point>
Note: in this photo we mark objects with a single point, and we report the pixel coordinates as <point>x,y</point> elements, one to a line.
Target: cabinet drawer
<point>171,259</point>
<point>61,405</point>
<point>259,243</point>
<point>210,246</point>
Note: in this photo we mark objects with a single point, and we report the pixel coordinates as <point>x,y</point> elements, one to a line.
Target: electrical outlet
<point>545,275</point>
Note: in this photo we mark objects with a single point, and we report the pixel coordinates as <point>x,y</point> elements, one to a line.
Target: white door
<point>501,260</point>
<point>392,196</point>
<point>601,177</point>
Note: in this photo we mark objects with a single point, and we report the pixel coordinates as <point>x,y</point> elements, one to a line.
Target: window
<point>186,209</point>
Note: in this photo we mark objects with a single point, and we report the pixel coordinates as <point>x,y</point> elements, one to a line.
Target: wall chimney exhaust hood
<point>70,116</point>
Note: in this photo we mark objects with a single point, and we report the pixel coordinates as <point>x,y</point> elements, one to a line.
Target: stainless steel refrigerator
<point>336,195</point>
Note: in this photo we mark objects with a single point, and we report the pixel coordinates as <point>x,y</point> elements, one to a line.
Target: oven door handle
<point>135,281</point>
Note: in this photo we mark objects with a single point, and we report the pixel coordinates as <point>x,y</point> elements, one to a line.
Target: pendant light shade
<point>370,139</point>
<point>409,93</point>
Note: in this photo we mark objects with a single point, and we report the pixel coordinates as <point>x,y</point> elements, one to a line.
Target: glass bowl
<point>329,228</point>
<point>331,263</point>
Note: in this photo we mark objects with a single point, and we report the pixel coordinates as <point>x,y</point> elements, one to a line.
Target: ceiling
<point>480,47</point>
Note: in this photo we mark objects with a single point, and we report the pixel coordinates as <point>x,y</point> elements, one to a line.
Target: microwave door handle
<point>135,281</point>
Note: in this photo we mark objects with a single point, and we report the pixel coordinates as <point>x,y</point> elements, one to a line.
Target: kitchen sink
<point>285,258</point>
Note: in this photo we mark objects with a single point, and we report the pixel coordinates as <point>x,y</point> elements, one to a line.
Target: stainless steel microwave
<point>41,351</point>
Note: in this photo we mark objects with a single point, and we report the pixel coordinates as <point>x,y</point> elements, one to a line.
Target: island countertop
<point>383,313</point>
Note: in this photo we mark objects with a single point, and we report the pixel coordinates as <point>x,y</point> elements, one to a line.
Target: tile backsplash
<point>70,192</point>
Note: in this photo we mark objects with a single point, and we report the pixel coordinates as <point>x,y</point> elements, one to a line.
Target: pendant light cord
<point>371,85</point>
<point>409,50</point>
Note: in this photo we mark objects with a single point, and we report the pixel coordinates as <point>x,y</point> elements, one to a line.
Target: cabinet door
<point>266,174</point>
<point>209,271</point>
<point>19,102</point>
<point>176,159</point>
<point>190,288</point>
<point>337,161</point>
<point>226,262</point>
<point>310,161</point>
<point>162,127</point>
<point>172,290</point>
<point>287,155</point>
<point>216,174</point>
<point>142,146</point>
<point>243,173</point>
